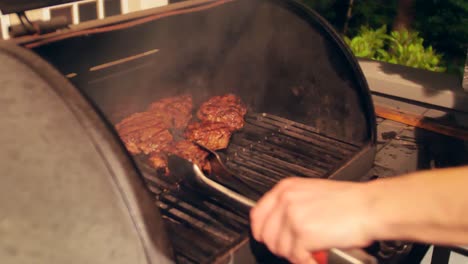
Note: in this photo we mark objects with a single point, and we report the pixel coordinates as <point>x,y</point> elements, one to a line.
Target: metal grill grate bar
<point>271,148</point>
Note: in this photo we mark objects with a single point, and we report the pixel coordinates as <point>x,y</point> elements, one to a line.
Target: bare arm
<point>303,215</point>
<point>429,206</point>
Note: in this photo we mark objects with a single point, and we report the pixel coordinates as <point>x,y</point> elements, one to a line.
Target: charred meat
<point>227,109</point>
<point>191,152</point>
<point>158,160</point>
<point>144,132</point>
<point>213,135</point>
<point>157,132</point>
<point>177,110</point>
<point>148,132</point>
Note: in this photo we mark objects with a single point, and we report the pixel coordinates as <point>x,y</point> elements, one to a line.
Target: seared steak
<point>153,132</point>
<point>226,109</point>
<point>144,132</point>
<point>178,110</point>
<point>213,135</point>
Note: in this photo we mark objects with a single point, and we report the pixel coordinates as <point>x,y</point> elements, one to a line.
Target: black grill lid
<point>68,192</point>
<point>15,6</point>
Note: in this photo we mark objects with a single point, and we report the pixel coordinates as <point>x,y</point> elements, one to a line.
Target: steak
<point>212,135</point>
<point>158,160</point>
<point>157,132</point>
<point>177,110</point>
<point>148,132</point>
<point>227,109</point>
<point>191,152</point>
<point>144,132</point>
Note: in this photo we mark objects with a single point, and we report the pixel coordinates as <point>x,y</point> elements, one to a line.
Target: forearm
<point>430,206</point>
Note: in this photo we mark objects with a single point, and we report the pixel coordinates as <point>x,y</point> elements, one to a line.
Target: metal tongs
<point>192,174</point>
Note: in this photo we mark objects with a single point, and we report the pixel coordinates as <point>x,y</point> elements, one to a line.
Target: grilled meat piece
<point>191,152</point>
<point>159,161</point>
<point>213,135</point>
<point>177,110</point>
<point>144,132</point>
<point>227,109</point>
<point>158,141</point>
<point>150,132</point>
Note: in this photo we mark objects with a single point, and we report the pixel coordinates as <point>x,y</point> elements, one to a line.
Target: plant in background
<point>442,23</point>
<point>369,43</point>
<point>406,48</point>
<point>398,47</point>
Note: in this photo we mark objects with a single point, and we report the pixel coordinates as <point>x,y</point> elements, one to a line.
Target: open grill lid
<point>15,6</point>
<point>289,66</point>
<point>66,181</point>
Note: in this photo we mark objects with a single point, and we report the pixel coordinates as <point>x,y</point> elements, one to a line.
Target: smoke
<point>277,57</point>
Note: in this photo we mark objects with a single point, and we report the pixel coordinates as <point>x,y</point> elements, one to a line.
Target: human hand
<point>300,216</point>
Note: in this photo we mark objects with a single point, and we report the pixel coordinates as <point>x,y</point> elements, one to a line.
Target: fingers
<point>302,256</point>
<point>271,229</point>
<point>271,223</point>
<point>299,216</point>
<point>284,243</point>
<point>260,213</point>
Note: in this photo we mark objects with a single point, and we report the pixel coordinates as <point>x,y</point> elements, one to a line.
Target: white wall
<point>145,4</point>
<point>136,5</point>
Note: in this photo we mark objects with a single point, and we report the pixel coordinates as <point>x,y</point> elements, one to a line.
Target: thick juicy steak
<point>191,152</point>
<point>213,135</point>
<point>150,132</point>
<point>226,109</point>
<point>156,142</point>
<point>177,110</point>
<point>144,132</point>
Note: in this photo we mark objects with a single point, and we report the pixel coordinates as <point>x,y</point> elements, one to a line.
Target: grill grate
<point>267,149</point>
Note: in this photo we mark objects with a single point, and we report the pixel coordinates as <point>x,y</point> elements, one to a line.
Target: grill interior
<point>310,111</point>
<point>270,148</point>
<point>266,150</point>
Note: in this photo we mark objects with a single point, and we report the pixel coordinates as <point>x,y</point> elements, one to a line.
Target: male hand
<point>300,216</point>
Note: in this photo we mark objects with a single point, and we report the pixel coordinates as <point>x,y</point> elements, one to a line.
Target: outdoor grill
<point>310,112</point>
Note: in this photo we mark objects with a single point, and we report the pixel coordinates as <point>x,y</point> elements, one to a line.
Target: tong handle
<point>321,257</point>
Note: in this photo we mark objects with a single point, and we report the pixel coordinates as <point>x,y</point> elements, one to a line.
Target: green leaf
<point>404,47</point>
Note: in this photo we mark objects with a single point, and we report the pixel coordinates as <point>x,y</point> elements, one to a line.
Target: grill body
<point>310,112</point>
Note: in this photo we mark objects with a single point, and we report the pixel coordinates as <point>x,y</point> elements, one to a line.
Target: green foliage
<point>369,43</point>
<point>404,48</point>
<point>442,23</point>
